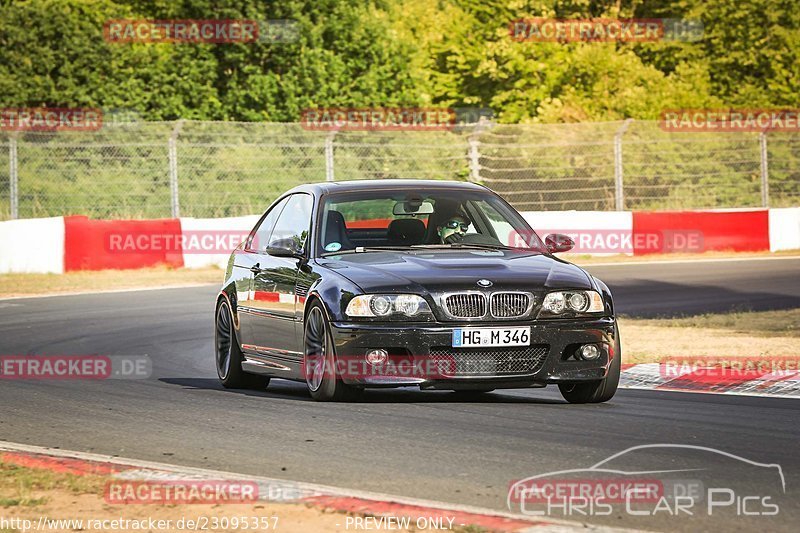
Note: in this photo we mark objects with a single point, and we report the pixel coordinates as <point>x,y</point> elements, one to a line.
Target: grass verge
<point>583,259</point>
<point>104,280</point>
<point>738,334</point>
<point>30,494</point>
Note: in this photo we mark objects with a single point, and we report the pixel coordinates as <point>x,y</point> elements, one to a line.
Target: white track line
<point>688,261</point>
<point>710,392</point>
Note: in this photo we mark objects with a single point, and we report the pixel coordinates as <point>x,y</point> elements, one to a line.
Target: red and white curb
<point>284,491</point>
<point>652,376</point>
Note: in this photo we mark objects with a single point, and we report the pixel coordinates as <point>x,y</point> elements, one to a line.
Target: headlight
<point>557,303</point>
<point>378,305</point>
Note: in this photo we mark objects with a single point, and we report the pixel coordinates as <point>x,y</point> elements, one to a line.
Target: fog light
<point>377,357</point>
<point>589,352</point>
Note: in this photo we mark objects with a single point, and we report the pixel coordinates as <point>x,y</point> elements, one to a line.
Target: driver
<point>453,229</point>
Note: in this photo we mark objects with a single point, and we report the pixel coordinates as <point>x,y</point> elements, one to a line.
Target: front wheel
<point>319,361</point>
<point>229,356</point>
<point>596,391</point>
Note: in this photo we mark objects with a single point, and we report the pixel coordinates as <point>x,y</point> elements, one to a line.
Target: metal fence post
<point>762,138</point>
<point>474,159</point>
<point>13,177</point>
<point>329,174</point>
<point>173,170</point>
<point>619,197</point>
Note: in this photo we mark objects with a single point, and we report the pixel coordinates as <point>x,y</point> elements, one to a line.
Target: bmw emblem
<point>484,283</point>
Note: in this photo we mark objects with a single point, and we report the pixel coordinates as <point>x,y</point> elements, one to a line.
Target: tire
<point>319,361</point>
<point>228,354</point>
<point>596,391</point>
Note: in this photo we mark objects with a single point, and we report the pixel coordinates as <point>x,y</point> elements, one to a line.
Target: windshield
<point>405,219</point>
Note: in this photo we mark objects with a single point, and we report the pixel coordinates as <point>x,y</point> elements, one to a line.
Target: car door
<point>246,262</point>
<point>274,298</point>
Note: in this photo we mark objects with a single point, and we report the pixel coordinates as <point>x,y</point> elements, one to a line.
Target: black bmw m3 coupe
<point>390,283</point>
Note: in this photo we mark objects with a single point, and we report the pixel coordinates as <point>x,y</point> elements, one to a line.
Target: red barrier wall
<point>378,223</point>
<point>130,244</point>
<point>375,223</point>
<point>700,231</point>
<point>120,244</point>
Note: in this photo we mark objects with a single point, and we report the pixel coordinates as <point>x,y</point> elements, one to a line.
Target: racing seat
<point>405,232</point>
<point>336,231</point>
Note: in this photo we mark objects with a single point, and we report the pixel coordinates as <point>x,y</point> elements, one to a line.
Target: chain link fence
<point>216,169</point>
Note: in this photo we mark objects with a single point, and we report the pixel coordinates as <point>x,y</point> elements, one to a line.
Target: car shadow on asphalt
<point>648,298</point>
<point>297,391</point>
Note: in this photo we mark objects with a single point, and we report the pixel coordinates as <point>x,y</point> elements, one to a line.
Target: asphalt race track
<point>664,289</point>
<point>428,445</point>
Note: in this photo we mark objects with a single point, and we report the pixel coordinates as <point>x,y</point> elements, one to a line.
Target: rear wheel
<point>229,356</point>
<point>596,391</point>
<point>319,361</point>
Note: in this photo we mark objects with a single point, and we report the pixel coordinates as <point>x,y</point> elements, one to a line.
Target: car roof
<point>326,187</point>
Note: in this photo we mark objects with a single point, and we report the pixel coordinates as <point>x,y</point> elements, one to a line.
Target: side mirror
<point>556,242</point>
<point>284,248</point>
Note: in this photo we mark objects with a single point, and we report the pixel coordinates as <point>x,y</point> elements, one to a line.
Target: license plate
<point>467,337</point>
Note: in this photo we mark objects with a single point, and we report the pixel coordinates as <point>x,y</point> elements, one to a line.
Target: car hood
<point>448,270</point>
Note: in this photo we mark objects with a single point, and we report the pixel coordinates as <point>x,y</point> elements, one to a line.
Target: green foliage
<point>449,53</point>
<point>750,48</point>
<point>399,52</point>
<point>54,54</point>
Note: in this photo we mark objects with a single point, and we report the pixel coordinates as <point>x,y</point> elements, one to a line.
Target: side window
<point>261,236</point>
<point>293,224</point>
<point>502,229</point>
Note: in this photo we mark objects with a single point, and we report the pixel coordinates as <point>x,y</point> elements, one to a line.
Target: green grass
<point>33,284</point>
<point>19,485</point>
<point>784,323</point>
<point>21,502</point>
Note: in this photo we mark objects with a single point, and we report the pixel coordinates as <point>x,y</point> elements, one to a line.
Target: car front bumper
<point>555,341</point>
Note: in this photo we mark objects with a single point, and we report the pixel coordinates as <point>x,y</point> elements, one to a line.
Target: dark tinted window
<point>264,230</point>
<point>408,218</point>
<point>292,227</point>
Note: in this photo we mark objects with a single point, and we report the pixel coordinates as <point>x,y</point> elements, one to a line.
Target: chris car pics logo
<point>682,481</point>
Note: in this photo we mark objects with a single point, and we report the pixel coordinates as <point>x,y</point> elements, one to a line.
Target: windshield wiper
<point>458,245</point>
<point>455,246</point>
<point>362,249</point>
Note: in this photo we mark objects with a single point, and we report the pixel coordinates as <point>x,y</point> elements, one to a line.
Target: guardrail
<point>63,244</point>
